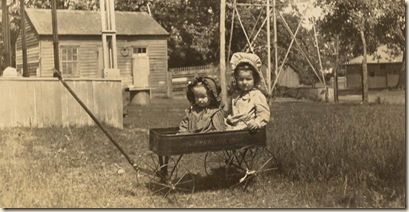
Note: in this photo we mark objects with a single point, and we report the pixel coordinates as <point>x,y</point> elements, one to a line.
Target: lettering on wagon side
<point>209,142</point>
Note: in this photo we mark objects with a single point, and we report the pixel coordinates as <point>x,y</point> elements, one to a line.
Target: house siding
<point>382,77</point>
<point>289,78</point>
<point>157,52</point>
<point>40,53</point>
<point>33,49</point>
<point>90,58</point>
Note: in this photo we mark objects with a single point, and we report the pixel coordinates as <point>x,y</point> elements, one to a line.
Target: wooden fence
<point>181,76</point>
<point>44,102</point>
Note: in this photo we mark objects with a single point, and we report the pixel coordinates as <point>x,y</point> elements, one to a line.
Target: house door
<point>140,68</point>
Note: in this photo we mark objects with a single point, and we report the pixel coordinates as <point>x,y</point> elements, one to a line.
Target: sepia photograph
<point>203,104</point>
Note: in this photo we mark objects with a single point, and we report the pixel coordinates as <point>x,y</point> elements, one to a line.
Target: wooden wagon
<point>242,154</point>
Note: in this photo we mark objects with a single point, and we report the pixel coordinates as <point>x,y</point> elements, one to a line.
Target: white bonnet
<point>243,57</point>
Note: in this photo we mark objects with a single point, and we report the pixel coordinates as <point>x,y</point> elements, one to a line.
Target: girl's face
<point>245,80</point>
<point>201,97</point>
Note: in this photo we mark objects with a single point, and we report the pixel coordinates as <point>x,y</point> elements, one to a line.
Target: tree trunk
<point>364,70</point>
<point>402,73</point>
<point>336,69</point>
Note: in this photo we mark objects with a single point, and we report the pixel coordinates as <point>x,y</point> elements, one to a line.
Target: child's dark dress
<point>201,120</point>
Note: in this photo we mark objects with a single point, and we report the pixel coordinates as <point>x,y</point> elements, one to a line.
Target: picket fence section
<point>181,76</point>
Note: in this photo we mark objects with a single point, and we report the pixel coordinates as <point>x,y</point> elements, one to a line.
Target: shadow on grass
<point>195,183</point>
<point>192,183</point>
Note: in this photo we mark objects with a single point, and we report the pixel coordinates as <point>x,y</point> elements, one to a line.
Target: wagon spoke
<point>268,169</point>
<point>256,162</point>
<point>160,187</point>
<point>177,180</point>
<point>216,160</point>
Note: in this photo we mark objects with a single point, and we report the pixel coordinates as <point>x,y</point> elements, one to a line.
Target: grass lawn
<point>331,156</point>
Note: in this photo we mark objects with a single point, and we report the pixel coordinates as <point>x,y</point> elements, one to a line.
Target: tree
<point>390,30</point>
<point>354,21</point>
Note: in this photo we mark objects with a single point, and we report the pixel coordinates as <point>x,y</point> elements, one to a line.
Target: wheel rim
<point>216,160</point>
<point>250,163</point>
<point>177,180</point>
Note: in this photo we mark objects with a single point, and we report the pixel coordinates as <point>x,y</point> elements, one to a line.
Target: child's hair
<point>213,90</point>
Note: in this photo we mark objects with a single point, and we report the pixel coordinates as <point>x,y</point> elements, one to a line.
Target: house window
<point>139,50</point>
<point>69,61</point>
<point>382,66</point>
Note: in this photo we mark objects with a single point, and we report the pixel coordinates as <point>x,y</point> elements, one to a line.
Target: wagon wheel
<point>149,162</point>
<point>249,163</point>
<point>216,160</point>
<point>171,177</point>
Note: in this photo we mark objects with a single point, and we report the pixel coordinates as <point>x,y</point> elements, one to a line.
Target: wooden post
<point>55,36</point>
<point>169,86</point>
<point>104,39</point>
<point>222,64</point>
<point>6,33</point>
<point>268,73</point>
<point>109,44</point>
<point>113,28</point>
<point>336,69</point>
<point>23,40</point>
<point>275,40</point>
<point>364,70</point>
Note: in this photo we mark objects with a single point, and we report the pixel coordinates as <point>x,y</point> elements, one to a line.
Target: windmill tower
<point>108,31</point>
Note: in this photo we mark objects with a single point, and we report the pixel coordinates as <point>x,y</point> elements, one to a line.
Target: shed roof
<point>382,55</point>
<point>79,22</point>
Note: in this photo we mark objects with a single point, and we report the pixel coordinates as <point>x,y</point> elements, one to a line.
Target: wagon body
<point>165,141</point>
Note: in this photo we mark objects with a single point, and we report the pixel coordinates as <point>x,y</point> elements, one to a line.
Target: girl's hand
<point>229,120</point>
<point>252,126</point>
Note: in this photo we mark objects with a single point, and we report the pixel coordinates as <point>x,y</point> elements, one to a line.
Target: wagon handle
<point>57,74</point>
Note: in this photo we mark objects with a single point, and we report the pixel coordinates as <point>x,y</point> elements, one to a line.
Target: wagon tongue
<point>57,74</point>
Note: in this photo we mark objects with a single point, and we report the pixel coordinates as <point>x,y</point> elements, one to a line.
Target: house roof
<point>382,55</point>
<point>79,22</point>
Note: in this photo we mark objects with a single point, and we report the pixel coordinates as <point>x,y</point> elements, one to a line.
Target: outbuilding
<point>383,70</point>
<point>141,46</point>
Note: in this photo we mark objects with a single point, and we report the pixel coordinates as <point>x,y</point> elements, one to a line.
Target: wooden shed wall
<point>90,58</point>
<point>392,74</point>
<point>32,45</point>
<point>87,56</point>
<point>158,60</point>
<point>44,102</point>
<point>289,78</point>
<point>383,77</point>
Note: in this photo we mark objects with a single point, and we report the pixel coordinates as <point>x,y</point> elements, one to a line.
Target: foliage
<point>193,27</point>
<point>382,21</point>
<point>390,28</point>
<point>346,18</point>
